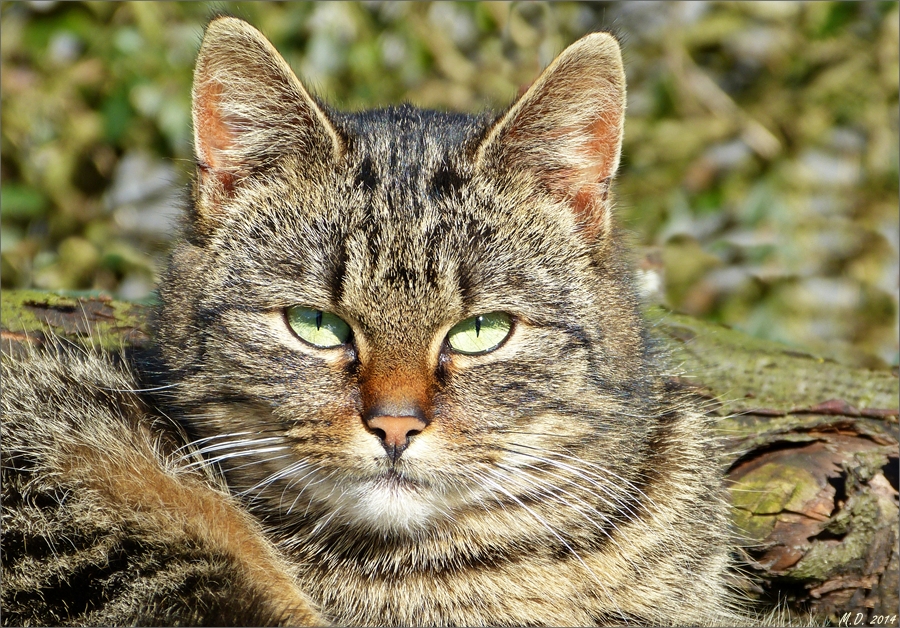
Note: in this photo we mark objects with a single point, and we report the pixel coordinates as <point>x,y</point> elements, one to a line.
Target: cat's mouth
<point>393,478</point>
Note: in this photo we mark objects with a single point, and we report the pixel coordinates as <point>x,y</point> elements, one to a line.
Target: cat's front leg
<point>105,522</point>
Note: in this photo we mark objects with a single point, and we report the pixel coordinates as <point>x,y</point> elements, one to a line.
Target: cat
<point>401,378</point>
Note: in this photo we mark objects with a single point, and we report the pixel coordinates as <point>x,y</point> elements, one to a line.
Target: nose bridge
<point>396,387</point>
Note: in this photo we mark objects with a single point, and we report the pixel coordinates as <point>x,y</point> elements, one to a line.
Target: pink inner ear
<point>585,184</point>
<point>603,149</point>
<point>590,193</point>
<point>214,137</point>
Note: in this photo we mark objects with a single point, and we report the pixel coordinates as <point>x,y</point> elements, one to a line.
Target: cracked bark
<point>811,448</point>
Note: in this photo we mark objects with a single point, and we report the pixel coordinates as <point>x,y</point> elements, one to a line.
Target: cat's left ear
<point>566,132</point>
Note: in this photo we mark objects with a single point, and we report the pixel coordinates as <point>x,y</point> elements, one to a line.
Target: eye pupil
<point>478,326</point>
<point>319,319</point>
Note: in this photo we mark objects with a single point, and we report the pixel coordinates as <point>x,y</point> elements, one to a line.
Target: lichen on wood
<point>27,316</point>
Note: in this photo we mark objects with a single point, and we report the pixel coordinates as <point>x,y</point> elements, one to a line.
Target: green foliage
<point>760,159</point>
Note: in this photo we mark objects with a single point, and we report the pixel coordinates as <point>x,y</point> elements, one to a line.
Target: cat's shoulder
<point>75,416</point>
<point>59,387</point>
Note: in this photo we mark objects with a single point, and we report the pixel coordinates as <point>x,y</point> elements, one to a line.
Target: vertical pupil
<point>319,319</point>
<point>477,326</point>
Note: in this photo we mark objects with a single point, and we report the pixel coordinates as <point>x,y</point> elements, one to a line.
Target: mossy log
<point>812,454</point>
<point>811,448</point>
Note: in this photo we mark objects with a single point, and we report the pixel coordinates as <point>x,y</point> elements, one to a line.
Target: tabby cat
<point>402,379</point>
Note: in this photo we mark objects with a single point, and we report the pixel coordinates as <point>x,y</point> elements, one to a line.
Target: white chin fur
<point>389,507</point>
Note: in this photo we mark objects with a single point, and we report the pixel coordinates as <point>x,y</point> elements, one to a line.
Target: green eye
<point>480,334</point>
<point>318,328</point>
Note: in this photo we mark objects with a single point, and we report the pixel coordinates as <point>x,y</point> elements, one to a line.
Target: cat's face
<point>388,320</point>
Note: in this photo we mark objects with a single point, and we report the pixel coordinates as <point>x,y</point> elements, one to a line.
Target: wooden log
<point>811,448</point>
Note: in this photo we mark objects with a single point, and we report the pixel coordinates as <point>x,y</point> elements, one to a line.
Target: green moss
<point>753,526</point>
<point>16,316</point>
<point>748,374</point>
<point>774,488</point>
<point>99,322</point>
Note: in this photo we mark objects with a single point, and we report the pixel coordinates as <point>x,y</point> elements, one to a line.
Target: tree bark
<point>810,448</point>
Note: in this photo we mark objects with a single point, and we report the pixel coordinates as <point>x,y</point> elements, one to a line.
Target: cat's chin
<point>388,503</point>
<point>392,504</point>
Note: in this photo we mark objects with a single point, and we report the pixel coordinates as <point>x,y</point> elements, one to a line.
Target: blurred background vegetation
<point>760,168</point>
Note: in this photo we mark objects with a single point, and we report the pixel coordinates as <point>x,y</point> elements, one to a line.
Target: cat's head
<point>384,320</point>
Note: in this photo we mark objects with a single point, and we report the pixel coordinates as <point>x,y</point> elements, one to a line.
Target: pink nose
<point>395,431</point>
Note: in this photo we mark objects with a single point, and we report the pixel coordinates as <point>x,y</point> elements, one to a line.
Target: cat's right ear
<point>249,108</point>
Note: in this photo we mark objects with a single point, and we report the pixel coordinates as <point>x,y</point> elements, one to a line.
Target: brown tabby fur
<point>557,480</point>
